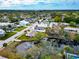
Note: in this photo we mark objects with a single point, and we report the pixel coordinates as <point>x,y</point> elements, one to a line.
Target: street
<point>12,38</point>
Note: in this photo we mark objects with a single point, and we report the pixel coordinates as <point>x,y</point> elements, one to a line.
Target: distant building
<point>2,33</point>
<point>63,16</point>
<point>23,23</point>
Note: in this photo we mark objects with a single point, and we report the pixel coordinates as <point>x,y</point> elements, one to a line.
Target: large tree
<point>57,19</point>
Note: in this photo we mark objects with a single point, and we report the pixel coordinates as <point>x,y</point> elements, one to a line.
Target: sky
<point>39,4</point>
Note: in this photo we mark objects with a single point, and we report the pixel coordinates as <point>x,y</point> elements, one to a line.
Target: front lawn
<point>8,34</point>
<point>38,36</point>
<point>20,28</point>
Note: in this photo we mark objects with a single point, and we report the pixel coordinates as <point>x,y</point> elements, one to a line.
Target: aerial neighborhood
<point>39,35</point>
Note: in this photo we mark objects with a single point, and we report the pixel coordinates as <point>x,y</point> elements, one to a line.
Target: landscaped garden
<point>38,36</point>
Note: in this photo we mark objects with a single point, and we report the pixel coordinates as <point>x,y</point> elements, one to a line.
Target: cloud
<point>45,1</point>
<point>9,3</point>
<point>15,4</point>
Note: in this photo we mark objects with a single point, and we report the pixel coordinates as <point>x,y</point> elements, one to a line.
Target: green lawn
<point>8,34</point>
<point>20,28</point>
<point>46,57</point>
<point>51,57</point>
<point>38,36</point>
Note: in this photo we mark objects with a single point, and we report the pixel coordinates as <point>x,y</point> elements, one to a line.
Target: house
<point>69,29</point>
<point>5,24</point>
<point>65,24</point>
<point>2,33</point>
<point>3,57</point>
<point>53,24</point>
<point>31,33</point>
<point>29,19</point>
<point>58,24</point>
<point>46,21</point>
<point>40,27</point>
<point>23,23</point>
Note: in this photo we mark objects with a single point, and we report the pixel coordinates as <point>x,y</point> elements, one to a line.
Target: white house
<point>23,23</point>
<point>65,24</point>
<point>6,24</point>
<point>53,24</point>
<point>2,33</point>
<point>31,33</point>
<point>40,27</point>
<point>56,24</point>
<point>69,29</point>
